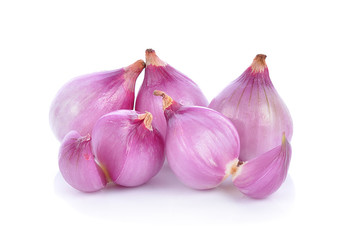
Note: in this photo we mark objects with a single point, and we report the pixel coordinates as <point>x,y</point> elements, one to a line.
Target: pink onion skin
<point>256,110</point>
<point>262,176</point>
<point>83,100</point>
<point>77,164</point>
<point>200,145</point>
<point>130,152</point>
<point>159,75</point>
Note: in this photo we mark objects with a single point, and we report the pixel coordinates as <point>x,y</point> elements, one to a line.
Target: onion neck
<point>257,73</point>
<point>152,59</point>
<point>259,64</point>
<point>84,139</point>
<point>169,105</point>
<point>131,74</point>
<point>147,118</point>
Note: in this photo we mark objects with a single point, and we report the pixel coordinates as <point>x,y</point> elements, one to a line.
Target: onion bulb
<point>83,100</point>
<point>128,149</point>
<point>77,163</point>
<point>260,177</point>
<point>200,144</point>
<point>160,75</point>
<point>256,110</point>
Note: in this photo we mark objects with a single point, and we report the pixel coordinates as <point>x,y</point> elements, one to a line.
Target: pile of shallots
<point>244,132</point>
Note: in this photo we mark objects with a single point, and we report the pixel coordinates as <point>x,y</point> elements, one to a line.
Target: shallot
<point>245,132</point>
<point>260,177</point>
<point>77,163</point>
<point>83,100</point>
<point>160,75</point>
<point>256,110</point>
<point>128,149</point>
<point>201,144</point>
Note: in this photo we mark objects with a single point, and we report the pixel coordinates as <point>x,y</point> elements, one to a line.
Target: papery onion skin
<point>83,100</point>
<point>160,75</point>
<point>262,176</point>
<point>77,164</point>
<point>200,144</point>
<point>126,145</point>
<point>256,110</point>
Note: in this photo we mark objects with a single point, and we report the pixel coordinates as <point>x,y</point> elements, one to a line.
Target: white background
<point>46,43</point>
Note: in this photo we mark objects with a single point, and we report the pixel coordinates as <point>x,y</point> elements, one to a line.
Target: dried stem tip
<point>166,100</point>
<point>259,63</point>
<point>152,59</point>
<point>149,50</point>
<point>131,74</point>
<point>147,118</point>
<point>136,67</point>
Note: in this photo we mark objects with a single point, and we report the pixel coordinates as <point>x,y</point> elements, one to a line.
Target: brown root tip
<point>234,169</point>
<point>152,59</point>
<point>166,100</point>
<point>149,50</point>
<point>240,163</point>
<point>261,56</point>
<point>259,63</point>
<point>236,166</point>
<point>147,118</point>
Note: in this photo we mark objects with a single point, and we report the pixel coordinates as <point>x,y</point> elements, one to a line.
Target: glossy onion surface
<point>200,144</point>
<point>127,147</point>
<point>260,177</point>
<point>77,164</point>
<point>160,75</point>
<point>83,100</point>
<point>256,110</point>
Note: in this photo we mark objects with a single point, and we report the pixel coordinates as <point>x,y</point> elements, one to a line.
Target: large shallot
<point>83,100</point>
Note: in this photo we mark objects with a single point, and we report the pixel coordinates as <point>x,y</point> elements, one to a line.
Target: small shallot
<point>261,176</point>
<point>128,149</point>
<point>77,163</point>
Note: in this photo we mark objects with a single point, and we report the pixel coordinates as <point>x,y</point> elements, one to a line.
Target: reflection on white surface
<point>165,200</point>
